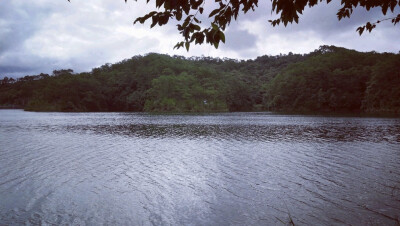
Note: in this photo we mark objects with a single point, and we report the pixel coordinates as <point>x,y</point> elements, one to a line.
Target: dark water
<point>215,169</point>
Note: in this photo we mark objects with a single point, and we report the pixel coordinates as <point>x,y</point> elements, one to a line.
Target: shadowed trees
<point>330,79</point>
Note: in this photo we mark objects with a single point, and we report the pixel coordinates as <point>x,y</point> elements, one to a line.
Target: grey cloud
<point>15,26</point>
<point>321,19</point>
<point>238,40</point>
<point>10,70</point>
<point>42,35</point>
<point>33,33</point>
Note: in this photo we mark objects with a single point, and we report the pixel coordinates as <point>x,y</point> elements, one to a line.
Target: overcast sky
<point>43,35</point>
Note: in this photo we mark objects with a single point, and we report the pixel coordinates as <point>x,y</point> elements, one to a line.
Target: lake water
<point>211,169</point>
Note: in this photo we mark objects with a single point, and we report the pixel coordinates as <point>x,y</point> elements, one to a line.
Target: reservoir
<point>198,169</point>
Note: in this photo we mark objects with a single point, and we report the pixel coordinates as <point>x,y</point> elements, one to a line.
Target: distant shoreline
<point>292,113</point>
<point>11,107</point>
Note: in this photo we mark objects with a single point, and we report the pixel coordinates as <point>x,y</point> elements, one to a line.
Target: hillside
<point>328,80</point>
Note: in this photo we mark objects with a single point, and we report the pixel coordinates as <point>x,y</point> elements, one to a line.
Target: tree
<point>187,13</point>
<point>4,81</point>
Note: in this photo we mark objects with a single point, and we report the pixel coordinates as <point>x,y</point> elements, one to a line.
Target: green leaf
<point>222,36</point>
<point>187,45</point>
<point>159,3</point>
<point>154,22</point>
<point>360,30</point>
<point>187,20</point>
<point>215,11</point>
<point>216,45</point>
<point>214,26</point>
<point>178,15</point>
<point>196,27</point>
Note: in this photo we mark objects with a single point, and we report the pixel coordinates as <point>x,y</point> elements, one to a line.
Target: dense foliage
<point>338,80</point>
<point>330,79</point>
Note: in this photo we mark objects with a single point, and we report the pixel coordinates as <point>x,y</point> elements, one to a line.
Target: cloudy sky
<point>43,35</point>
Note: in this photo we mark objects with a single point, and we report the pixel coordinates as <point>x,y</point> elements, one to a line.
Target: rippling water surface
<point>213,169</point>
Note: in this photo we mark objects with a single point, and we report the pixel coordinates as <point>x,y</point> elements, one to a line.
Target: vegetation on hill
<point>328,80</point>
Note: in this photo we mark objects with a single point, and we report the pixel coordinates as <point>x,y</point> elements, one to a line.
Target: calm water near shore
<point>210,169</point>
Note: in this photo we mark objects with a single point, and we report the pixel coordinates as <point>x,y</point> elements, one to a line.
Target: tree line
<point>328,80</point>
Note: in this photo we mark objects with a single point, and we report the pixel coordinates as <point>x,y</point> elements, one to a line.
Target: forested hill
<point>328,80</point>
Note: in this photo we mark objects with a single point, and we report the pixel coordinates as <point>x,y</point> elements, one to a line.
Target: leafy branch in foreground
<point>369,26</point>
<point>187,12</point>
<point>225,11</point>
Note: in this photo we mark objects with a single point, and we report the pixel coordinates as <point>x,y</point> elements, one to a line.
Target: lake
<point>206,169</point>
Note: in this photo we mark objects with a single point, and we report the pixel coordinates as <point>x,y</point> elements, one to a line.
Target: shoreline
<point>291,113</point>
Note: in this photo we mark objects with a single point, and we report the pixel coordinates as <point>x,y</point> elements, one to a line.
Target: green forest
<point>328,80</point>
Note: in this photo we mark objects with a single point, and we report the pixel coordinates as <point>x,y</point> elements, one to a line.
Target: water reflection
<point>278,133</point>
<point>217,169</point>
